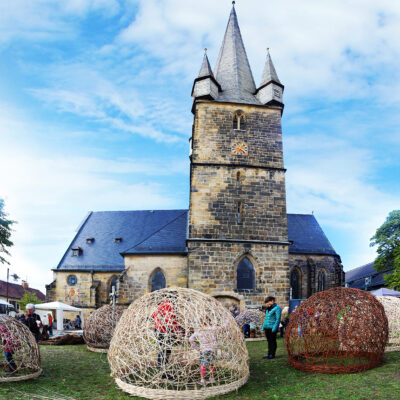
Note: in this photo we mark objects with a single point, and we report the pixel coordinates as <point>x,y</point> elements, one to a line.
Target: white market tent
<point>385,292</point>
<point>59,308</point>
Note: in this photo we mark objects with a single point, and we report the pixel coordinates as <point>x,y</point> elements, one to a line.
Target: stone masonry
<point>222,181</point>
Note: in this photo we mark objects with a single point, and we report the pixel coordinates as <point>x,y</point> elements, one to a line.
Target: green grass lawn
<point>72,372</point>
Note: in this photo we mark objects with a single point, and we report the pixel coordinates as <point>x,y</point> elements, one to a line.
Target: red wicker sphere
<point>337,331</point>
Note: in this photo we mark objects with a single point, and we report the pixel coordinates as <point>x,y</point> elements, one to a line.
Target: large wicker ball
<point>163,337</point>
<point>392,309</point>
<point>99,327</point>
<point>338,330</point>
<point>20,350</point>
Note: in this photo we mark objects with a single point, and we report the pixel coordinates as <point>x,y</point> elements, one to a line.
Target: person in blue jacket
<point>271,325</point>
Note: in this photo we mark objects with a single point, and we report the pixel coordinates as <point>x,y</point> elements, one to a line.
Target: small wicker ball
<point>99,327</point>
<point>392,310</point>
<point>178,343</point>
<point>251,316</point>
<point>23,357</point>
<point>337,331</point>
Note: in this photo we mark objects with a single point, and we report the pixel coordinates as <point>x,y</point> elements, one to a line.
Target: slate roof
<point>355,278</point>
<point>269,73</point>
<point>133,227</point>
<point>205,69</point>
<point>161,232</point>
<point>232,70</point>
<point>16,291</point>
<point>307,236</point>
<point>170,238</point>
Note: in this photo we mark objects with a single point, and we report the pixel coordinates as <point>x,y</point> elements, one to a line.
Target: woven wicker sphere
<point>255,316</point>
<point>18,341</point>
<point>247,316</point>
<point>336,331</point>
<point>99,327</point>
<point>392,309</point>
<point>161,339</point>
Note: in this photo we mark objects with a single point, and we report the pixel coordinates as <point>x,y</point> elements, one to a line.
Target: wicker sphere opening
<point>178,343</point>
<point>20,351</point>
<point>99,327</point>
<point>392,310</point>
<point>337,331</point>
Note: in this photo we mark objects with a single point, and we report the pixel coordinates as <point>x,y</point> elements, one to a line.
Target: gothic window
<point>158,281</point>
<point>245,275</point>
<point>113,285</point>
<point>239,120</point>
<point>238,180</point>
<point>321,281</point>
<point>295,284</point>
<point>239,213</point>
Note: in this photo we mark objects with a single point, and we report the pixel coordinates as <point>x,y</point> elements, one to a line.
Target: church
<point>235,241</point>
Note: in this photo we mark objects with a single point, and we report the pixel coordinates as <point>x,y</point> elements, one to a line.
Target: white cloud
<point>48,193</point>
<point>48,20</point>
<point>333,178</point>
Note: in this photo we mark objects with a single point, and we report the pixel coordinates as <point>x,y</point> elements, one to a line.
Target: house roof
<point>355,278</point>
<point>161,232</point>
<point>307,236</point>
<point>133,228</point>
<point>16,291</point>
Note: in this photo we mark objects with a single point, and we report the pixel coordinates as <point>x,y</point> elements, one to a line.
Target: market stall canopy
<point>385,292</point>
<point>5,303</point>
<point>60,308</point>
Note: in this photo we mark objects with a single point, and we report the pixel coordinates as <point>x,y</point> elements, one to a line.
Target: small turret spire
<point>205,86</point>
<point>270,92</point>
<point>205,69</point>
<point>269,73</point>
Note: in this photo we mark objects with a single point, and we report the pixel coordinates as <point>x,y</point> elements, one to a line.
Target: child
<point>252,330</point>
<point>8,346</point>
<point>207,338</point>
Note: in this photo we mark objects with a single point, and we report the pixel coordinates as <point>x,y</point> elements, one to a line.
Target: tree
<point>28,297</point>
<point>5,233</point>
<point>387,238</point>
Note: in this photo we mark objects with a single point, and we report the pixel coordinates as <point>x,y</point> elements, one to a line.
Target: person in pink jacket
<point>206,337</point>
<point>9,349</point>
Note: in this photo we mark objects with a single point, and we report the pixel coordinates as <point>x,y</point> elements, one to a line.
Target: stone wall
<point>308,267</point>
<point>237,195</point>
<point>213,266</point>
<point>139,270</point>
<point>90,292</point>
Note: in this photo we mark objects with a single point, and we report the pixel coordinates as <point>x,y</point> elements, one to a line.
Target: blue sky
<point>95,111</point>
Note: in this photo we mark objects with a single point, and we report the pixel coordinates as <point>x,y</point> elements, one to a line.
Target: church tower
<point>237,239</point>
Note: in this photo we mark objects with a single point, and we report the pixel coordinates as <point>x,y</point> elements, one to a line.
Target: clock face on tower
<point>240,149</point>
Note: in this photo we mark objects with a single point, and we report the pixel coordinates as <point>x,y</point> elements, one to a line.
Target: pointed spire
<point>270,91</point>
<point>205,69</point>
<point>233,70</point>
<point>269,73</point>
<point>205,85</point>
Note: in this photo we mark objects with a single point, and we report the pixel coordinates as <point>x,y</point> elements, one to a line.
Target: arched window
<point>113,285</point>
<point>295,284</point>
<point>239,213</point>
<point>245,275</point>
<point>239,120</point>
<point>321,281</point>
<point>158,281</point>
<point>237,180</point>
